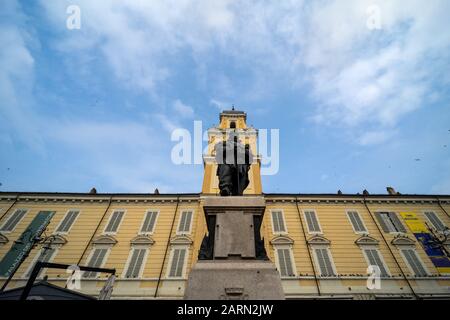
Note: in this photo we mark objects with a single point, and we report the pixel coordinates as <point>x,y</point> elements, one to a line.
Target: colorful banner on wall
<point>423,235</point>
<point>24,244</point>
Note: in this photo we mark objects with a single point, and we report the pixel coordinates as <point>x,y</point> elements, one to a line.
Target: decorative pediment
<point>403,241</point>
<point>280,240</point>
<point>181,240</point>
<point>56,240</point>
<point>142,240</point>
<point>3,239</point>
<point>366,240</point>
<point>105,239</point>
<point>318,240</point>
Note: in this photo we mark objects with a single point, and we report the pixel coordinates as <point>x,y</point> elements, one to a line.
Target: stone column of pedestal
<point>234,272</point>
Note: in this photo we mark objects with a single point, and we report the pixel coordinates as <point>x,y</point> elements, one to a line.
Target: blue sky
<point>357,107</point>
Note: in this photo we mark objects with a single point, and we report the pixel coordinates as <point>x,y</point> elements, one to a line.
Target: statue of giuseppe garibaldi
<point>234,160</point>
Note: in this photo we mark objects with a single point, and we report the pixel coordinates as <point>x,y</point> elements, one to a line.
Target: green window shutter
<point>68,221</point>
<point>13,220</point>
<point>180,264</point>
<point>188,221</point>
<point>356,221</point>
<point>321,262</point>
<point>375,260</point>
<point>281,223</point>
<point>118,220</point>
<point>382,221</point>
<point>313,223</point>
<point>309,221</point>
<point>95,261</point>
<point>185,222</point>
<point>275,221</point>
<point>131,265</point>
<point>435,221</point>
<point>397,223</point>
<point>173,267</point>
<point>182,222</point>
<point>114,222</point>
<point>282,262</point>
<point>135,265</point>
<point>327,259</point>
<point>151,222</point>
<point>287,263</point>
<point>324,261</point>
<point>139,263</point>
<point>414,262</point>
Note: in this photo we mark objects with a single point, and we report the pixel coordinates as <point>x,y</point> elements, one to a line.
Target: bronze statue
<point>234,161</point>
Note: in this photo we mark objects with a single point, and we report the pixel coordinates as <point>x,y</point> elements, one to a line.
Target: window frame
<point>318,222</point>
<point>18,222</point>
<point>395,232</point>
<point>285,232</point>
<point>414,250</point>
<point>364,248</point>
<point>62,220</point>
<point>330,256</point>
<point>143,221</point>
<point>91,254</point>
<point>118,226</point>
<point>431,223</point>
<point>35,259</point>
<point>142,267</point>
<point>191,222</point>
<point>277,261</point>
<point>185,262</point>
<point>347,213</point>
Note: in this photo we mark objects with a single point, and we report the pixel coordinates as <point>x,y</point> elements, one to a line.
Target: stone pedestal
<point>232,262</point>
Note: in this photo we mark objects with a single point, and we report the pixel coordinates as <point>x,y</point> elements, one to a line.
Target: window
<point>149,222</point>
<point>435,221</point>
<point>285,262</point>
<point>390,222</point>
<point>97,259</point>
<point>185,222</point>
<point>68,221</point>
<point>46,254</point>
<point>413,261</point>
<point>373,258</point>
<point>177,263</point>
<point>356,222</point>
<point>114,221</point>
<point>312,221</point>
<point>324,261</point>
<point>136,261</point>
<point>13,220</point>
<point>278,222</point>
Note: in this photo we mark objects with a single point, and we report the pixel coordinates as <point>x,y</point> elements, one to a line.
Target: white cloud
<point>220,105</point>
<point>358,76</point>
<point>182,109</point>
<point>16,79</point>
<point>374,137</point>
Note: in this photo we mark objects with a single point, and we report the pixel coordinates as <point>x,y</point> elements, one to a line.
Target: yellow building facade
<point>322,244</point>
